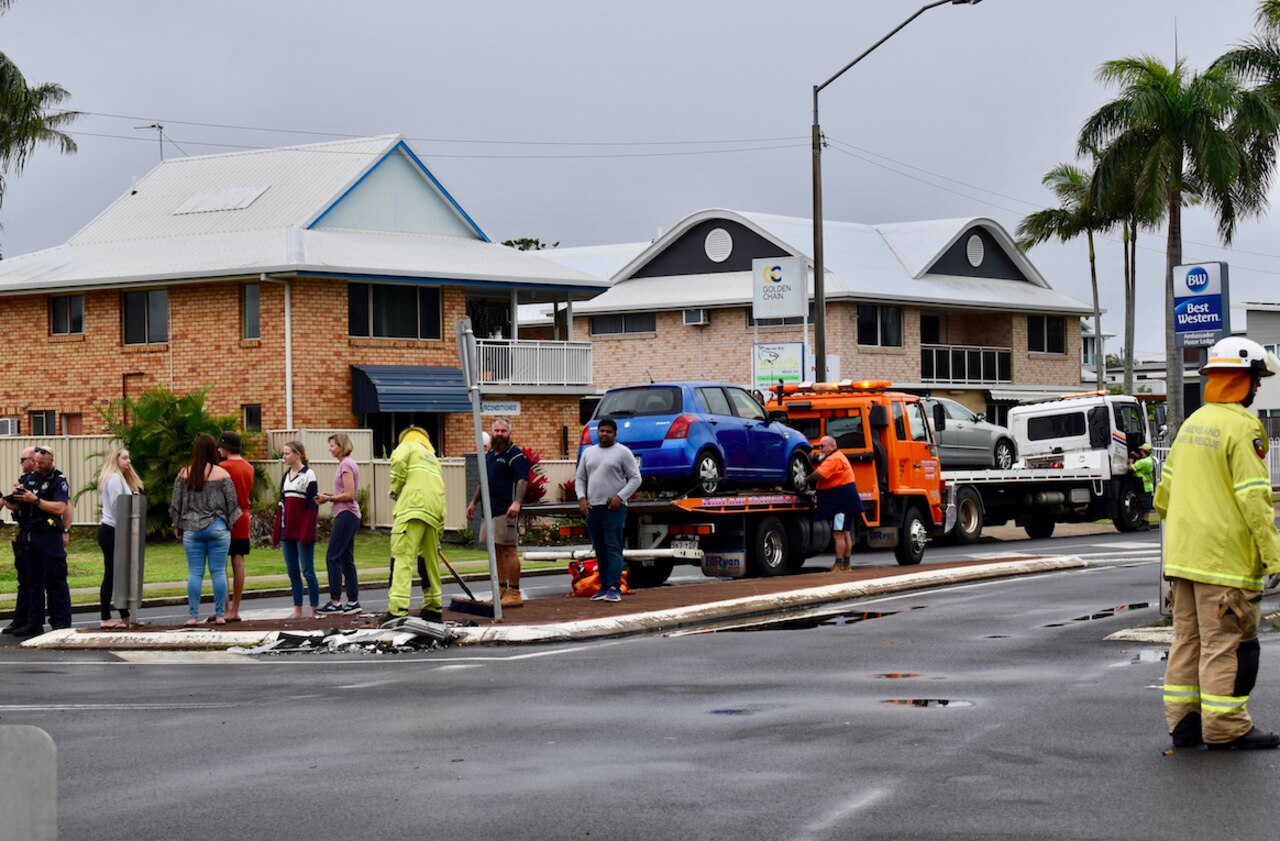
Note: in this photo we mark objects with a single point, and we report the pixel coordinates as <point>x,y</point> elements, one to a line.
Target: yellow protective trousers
<point>1213,663</point>
<point>410,540</point>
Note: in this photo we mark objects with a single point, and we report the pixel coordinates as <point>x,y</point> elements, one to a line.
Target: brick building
<point>312,286</point>
<point>947,307</point>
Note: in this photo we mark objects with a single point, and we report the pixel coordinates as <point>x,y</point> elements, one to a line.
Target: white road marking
<point>114,707</point>
<point>826,823</point>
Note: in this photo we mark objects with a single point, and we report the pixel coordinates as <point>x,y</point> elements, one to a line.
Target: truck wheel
<point>1128,513</point>
<point>911,539</point>
<point>654,575</point>
<point>1038,525</point>
<point>1003,455</point>
<point>768,548</point>
<point>969,515</point>
<point>707,473</point>
<point>797,470</point>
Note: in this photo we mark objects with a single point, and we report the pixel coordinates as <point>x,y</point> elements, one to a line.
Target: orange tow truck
<point>887,438</point>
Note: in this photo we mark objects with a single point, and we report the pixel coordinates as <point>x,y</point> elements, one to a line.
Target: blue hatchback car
<point>701,434</point>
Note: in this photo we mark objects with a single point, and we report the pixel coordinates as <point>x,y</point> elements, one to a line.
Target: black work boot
<point>1255,739</point>
<point>431,615</point>
<point>1187,732</point>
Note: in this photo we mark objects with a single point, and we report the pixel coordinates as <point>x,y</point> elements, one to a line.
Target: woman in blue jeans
<point>340,560</point>
<point>295,529</point>
<point>203,510</point>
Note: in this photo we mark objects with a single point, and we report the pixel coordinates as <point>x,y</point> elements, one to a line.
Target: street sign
<point>1201,304</point>
<point>780,288</point>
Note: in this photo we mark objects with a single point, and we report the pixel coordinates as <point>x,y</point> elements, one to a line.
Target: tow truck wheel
<point>1128,516</point>
<point>968,527</point>
<point>707,473</point>
<point>911,539</point>
<point>1038,525</point>
<point>797,470</point>
<point>768,548</point>
<point>653,575</point>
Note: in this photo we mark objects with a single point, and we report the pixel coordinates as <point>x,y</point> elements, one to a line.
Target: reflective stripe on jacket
<point>1214,498</point>
<point>418,483</point>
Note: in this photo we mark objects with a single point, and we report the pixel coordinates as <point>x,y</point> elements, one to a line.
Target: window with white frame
<point>1046,334</point>
<point>44,422</point>
<point>393,311</point>
<point>146,317</point>
<point>66,315</point>
<point>630,322</point>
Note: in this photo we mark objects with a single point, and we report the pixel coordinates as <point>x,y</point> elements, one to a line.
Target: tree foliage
<point>29,117</point>
<point>528,244</point>
<point>158,429</point>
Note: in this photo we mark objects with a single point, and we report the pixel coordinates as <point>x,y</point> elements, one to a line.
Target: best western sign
<point>1201,305</point>
<point>781,288</point>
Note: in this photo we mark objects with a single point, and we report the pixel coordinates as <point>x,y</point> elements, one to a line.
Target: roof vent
<point>975,250</point>
<point>719,245</point>
<point>209,201</point>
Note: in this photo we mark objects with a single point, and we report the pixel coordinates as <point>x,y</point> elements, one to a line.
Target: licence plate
<point>684,544</point>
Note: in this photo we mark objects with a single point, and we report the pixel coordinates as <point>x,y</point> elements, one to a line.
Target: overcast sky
<point>598,122</point>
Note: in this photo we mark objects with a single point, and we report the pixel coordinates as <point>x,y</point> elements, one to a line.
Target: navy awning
<point>407,388</point>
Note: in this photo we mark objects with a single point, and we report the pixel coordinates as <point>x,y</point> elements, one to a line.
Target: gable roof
<point>362,207</point>
<point>894,262</point>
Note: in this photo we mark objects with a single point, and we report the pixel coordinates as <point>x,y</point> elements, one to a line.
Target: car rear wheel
<point>707,474</point>
<point>797,470</point>
<point>1003,455</point>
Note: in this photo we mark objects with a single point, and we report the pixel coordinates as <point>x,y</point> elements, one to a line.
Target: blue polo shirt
<point>505,470</point>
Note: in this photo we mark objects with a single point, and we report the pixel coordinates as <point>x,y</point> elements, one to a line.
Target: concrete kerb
<point>625,625</point>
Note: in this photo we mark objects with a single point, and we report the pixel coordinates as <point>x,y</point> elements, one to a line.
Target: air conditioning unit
<point>8,426</point>
<point>697,318</point>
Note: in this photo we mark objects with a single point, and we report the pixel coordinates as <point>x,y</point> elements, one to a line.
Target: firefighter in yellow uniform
<point>1220,544</point>
<point>417,486</point>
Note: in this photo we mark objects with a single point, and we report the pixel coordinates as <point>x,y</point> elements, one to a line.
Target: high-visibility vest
<point>1214,500</point>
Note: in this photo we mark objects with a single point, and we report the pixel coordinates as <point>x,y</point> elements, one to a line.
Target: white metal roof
<point>863,263</point>
<point>599,261</point>
<point>249,212</point>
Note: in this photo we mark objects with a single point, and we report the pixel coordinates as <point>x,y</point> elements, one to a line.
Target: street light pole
<point>819,269</point>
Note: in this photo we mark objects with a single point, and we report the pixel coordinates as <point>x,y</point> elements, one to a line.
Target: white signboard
<point>833,369</point>
<point>505,408</point>
<point>777,361</point>
<point>781,288</point>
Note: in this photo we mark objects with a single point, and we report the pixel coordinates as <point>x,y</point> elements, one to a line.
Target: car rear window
<point>651,400</point>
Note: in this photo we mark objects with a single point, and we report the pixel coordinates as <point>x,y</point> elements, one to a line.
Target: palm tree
<point>1173,133</point>
<point>1076,214</point>
<point>28,117</point>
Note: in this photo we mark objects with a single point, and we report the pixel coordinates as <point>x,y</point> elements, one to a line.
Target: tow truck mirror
<point>879,416</point>
<point>939,418</point>
<point>779,416</point>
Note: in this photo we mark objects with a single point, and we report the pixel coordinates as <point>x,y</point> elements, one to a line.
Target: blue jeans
<point>209,544</point>
<point>606,528</point>
<point>300,561</point>
<point>340,560</point>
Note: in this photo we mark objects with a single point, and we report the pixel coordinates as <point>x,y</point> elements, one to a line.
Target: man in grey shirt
<point>607,477</point>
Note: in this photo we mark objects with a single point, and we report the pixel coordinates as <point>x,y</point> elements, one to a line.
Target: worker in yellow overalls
<point>417,486</point>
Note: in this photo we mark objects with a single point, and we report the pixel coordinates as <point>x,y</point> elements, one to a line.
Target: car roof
<point>679,384</point>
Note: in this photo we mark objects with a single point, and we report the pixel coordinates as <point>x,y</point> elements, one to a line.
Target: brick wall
<point>74,374</point>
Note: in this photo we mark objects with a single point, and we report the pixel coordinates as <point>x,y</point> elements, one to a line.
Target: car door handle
<point>714,422</point>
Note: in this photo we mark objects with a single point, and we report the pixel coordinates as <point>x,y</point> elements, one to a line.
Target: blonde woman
<point>117,479</point>
<point>340,560</point>
<point>295,529</point>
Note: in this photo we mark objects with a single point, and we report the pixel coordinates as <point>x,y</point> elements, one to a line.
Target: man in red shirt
<point>838,498</point>
<point>242,477</point>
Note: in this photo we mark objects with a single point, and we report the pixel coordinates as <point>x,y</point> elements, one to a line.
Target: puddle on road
<point>1102,614</point>
<point>927,702</point>
<point>824,619</point>
<point>897,675</point>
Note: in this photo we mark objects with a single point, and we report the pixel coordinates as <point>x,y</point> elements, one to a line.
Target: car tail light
<point>680,427</point>
<point>585,439</point>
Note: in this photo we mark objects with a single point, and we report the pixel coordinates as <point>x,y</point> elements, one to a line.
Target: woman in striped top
<point>295,530</point>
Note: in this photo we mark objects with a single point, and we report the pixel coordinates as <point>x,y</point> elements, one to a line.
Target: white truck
<point>1073,466</point>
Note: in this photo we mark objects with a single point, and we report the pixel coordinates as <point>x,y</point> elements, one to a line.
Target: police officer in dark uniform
<point>20,562</point>
<point>46,550</point>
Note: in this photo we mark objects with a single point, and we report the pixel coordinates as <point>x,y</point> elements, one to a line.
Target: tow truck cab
<point>890,444</point>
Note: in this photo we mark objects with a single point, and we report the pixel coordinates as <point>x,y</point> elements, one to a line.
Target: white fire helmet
<point>1236,353</point>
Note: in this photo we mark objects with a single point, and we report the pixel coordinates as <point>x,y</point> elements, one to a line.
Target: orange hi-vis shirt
<point>834,472</point>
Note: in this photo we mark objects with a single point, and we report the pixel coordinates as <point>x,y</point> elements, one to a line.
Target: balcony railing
<point>515,362</point>
<point>970,364</point>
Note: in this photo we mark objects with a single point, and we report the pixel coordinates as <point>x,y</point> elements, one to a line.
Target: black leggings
<point>107,543</point>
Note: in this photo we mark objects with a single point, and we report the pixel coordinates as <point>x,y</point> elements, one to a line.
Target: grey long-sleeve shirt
<point>605,471</point>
